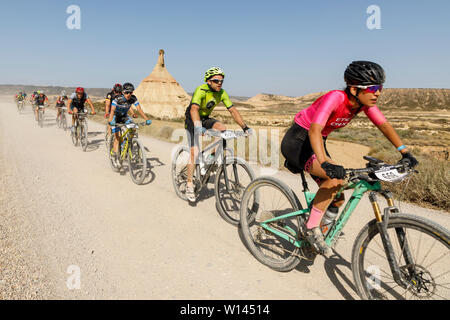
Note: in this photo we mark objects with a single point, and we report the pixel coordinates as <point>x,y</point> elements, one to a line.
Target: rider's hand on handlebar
<point>333,171</point>
<point>409,160</point>
<point>93,112</point>
<point>199,130</point>
<point>248,131</point>
<point>106,115</point>
<point>70,112</point>
<point>148,122</point>
<point>112,123</point>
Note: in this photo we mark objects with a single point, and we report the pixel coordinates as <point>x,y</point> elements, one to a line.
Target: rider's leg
<point>191,165</point>
<point>325,195</point>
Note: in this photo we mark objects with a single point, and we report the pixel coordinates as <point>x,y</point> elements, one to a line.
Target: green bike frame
<point>360,187</point>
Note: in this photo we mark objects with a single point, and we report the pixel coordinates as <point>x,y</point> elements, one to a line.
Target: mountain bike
<point>40,116</point>
<point>20,105</point>
<point>395,256</point>
<point>232,174</point>
<point>132,150</point>
<point>61,120</point>
<point>80,131</point>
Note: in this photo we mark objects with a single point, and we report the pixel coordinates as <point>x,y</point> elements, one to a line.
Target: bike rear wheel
<point>267,198</point>
<point>137,161</point>
<point>239,174</point>
<point>181,158</point>
<point>422,251</point>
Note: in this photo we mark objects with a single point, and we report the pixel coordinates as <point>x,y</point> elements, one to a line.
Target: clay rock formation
<point>160,95</point>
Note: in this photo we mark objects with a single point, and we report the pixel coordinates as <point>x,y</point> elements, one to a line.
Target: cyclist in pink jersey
<point>304,144</point>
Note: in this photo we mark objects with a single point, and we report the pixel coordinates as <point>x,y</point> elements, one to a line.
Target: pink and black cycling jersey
<point>333,111</point>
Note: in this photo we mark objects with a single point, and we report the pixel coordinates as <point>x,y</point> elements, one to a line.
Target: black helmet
<point>127,87</point>
<point>117,87</point>
<point>364,73</point>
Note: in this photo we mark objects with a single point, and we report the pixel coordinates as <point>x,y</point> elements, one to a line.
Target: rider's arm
<point>316,140</point>
<point>141,112</point>
<point>69,103</point>
<point>195,116</point>
<point>390,133</point>
<point>107,105</point>
<point>237,117</point>
<point>111,112</point>
<point>88,100</point>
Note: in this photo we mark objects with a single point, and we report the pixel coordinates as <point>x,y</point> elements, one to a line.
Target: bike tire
<point>41,118</point>
<point>250,208</point>
<point>368,240</point>
<point>114,167</point>
<point>229,203</point>
<point>63,121</point>
<point>137,152</point>
<point>107,137</point>
<point>180,160</point>
<point>83,136</point>
<point>74,134</point>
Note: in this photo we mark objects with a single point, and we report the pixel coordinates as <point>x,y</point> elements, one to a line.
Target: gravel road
<point>65,214</point>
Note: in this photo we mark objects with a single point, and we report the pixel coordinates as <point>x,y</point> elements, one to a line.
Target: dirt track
<point>62,207</point>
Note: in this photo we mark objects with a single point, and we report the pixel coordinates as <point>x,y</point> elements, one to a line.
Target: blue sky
<point>282,47</point>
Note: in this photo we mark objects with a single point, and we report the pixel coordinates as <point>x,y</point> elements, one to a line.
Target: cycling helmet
<point>117,87</point>
<point>364,73</point>
<point>127,87</point>
<point>79,90</point>
<point>63,93</point>
<point>212,72</point>
<point>38,92</point>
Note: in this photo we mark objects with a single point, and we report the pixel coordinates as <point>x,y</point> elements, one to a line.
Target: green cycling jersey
<point>208,99</point>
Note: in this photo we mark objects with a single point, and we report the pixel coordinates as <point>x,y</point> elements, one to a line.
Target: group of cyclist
<point>303,146</point>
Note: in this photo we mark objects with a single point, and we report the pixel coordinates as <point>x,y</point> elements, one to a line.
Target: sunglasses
<point>127,92</point>
<point>371,89</point>
<point>217,81</point>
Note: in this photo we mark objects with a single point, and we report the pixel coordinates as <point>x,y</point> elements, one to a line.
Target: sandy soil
<point>64,210</point>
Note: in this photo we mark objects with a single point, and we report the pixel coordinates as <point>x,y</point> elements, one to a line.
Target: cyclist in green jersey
<point>205,98</point>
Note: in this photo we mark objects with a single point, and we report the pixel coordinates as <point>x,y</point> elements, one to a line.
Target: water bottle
<point>202,168</point>
<point>328,219</point>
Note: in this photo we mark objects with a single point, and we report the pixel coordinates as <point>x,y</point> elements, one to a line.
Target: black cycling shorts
<point>207,123</point>
<point>297,150</point>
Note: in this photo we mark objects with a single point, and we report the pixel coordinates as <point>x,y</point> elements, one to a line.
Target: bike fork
<point>382,222</point>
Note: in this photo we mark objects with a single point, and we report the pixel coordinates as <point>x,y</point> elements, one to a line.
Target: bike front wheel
<point>115,163</point>
<point>267,198</point>
<point>422,251</point>
<point>63,121</point>
<point>41,118</point>
<point>74,135</point>
<point>83,135</point>
<point>229,195</point>
<point>137,161</point>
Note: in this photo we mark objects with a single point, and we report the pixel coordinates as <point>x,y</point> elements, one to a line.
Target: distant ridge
<point>421,99</point>
<point>6,89</point>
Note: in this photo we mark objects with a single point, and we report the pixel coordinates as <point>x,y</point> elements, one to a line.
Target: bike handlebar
<point>378,170</point>
<point>226,134</point>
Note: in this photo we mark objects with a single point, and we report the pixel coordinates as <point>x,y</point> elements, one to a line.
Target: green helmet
<point>213,71</point>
